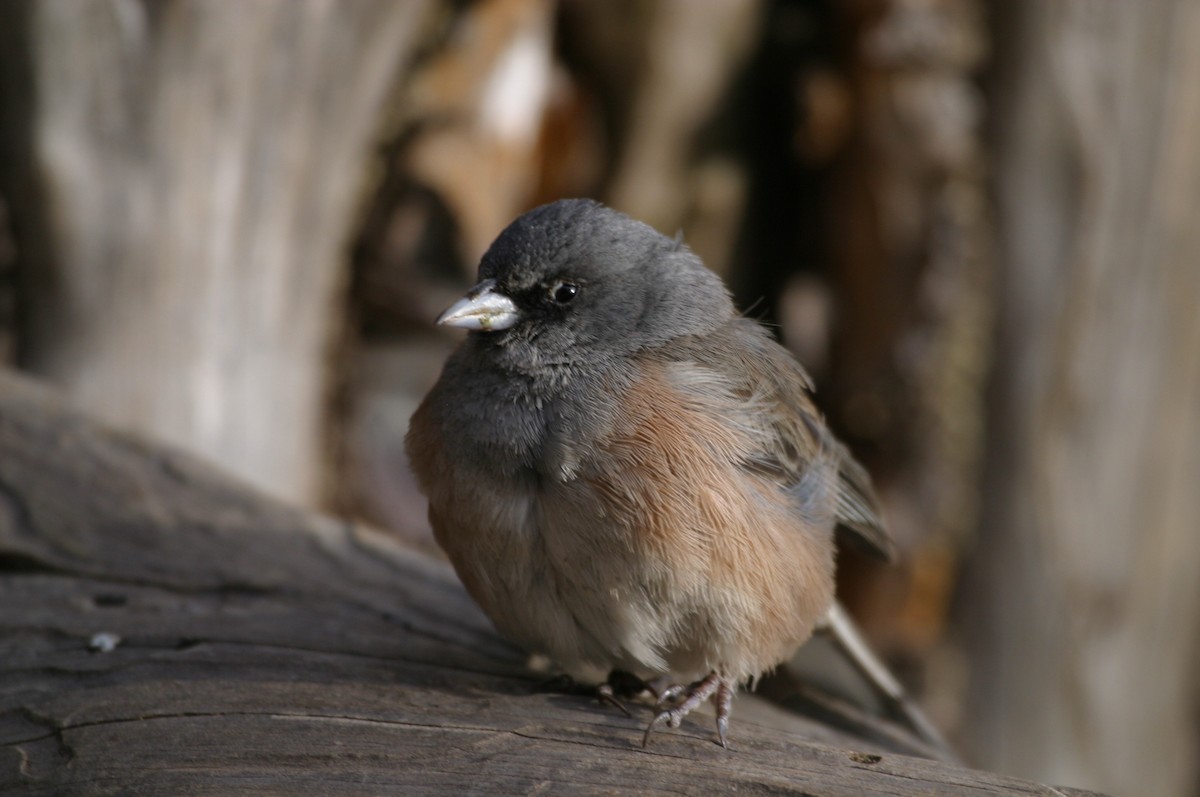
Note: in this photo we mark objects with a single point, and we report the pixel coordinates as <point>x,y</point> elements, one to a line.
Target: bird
<point>627,474</point>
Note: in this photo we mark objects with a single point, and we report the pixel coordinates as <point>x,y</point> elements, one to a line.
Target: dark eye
<point>563,292</point>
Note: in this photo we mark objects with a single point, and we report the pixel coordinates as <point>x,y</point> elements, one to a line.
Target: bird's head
<point>574,279</point>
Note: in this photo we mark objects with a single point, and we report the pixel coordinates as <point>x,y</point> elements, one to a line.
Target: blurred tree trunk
<point>181,178</point>
<point>1086,587</point>
<point>909,239</point>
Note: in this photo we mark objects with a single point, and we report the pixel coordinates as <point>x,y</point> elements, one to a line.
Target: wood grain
<point>264,649</point>
<point>1086,583</point>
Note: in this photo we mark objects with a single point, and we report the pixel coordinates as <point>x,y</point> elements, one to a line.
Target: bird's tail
<point>845,635</point>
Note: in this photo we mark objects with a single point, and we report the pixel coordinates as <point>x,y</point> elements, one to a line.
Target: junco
<point>626,474</point>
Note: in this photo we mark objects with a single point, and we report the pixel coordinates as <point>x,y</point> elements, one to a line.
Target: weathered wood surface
<point>265,649</point>
<point>1087,572</point>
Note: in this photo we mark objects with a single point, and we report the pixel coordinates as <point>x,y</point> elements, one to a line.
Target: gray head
<point>573,280</point>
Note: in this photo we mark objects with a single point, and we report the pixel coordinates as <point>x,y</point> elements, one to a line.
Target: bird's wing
<point>776,394</point>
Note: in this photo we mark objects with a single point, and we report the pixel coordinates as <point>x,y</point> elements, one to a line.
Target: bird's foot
<point>713,686</point>
<point>620,686</point>
<point>607,693</point>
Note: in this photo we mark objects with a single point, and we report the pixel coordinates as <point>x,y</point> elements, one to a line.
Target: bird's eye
<point>563,292</point>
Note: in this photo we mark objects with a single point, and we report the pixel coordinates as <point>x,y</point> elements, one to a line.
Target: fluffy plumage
<point>624,472</point>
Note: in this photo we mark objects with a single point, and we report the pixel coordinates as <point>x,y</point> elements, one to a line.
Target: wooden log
<point>165,630</point>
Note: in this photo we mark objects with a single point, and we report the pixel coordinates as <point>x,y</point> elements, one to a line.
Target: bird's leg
<point>712,686</point>
<point>621,684</point>
<point>666,692</point>
<point>724,701</point>
<point>607,692</point>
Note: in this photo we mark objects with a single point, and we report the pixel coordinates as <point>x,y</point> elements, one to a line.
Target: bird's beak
<point>482,308</point>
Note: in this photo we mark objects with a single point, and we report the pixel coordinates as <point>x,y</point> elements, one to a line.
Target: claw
<point>710,686</point>
<point>606,694</point>
<point>650,727</point>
